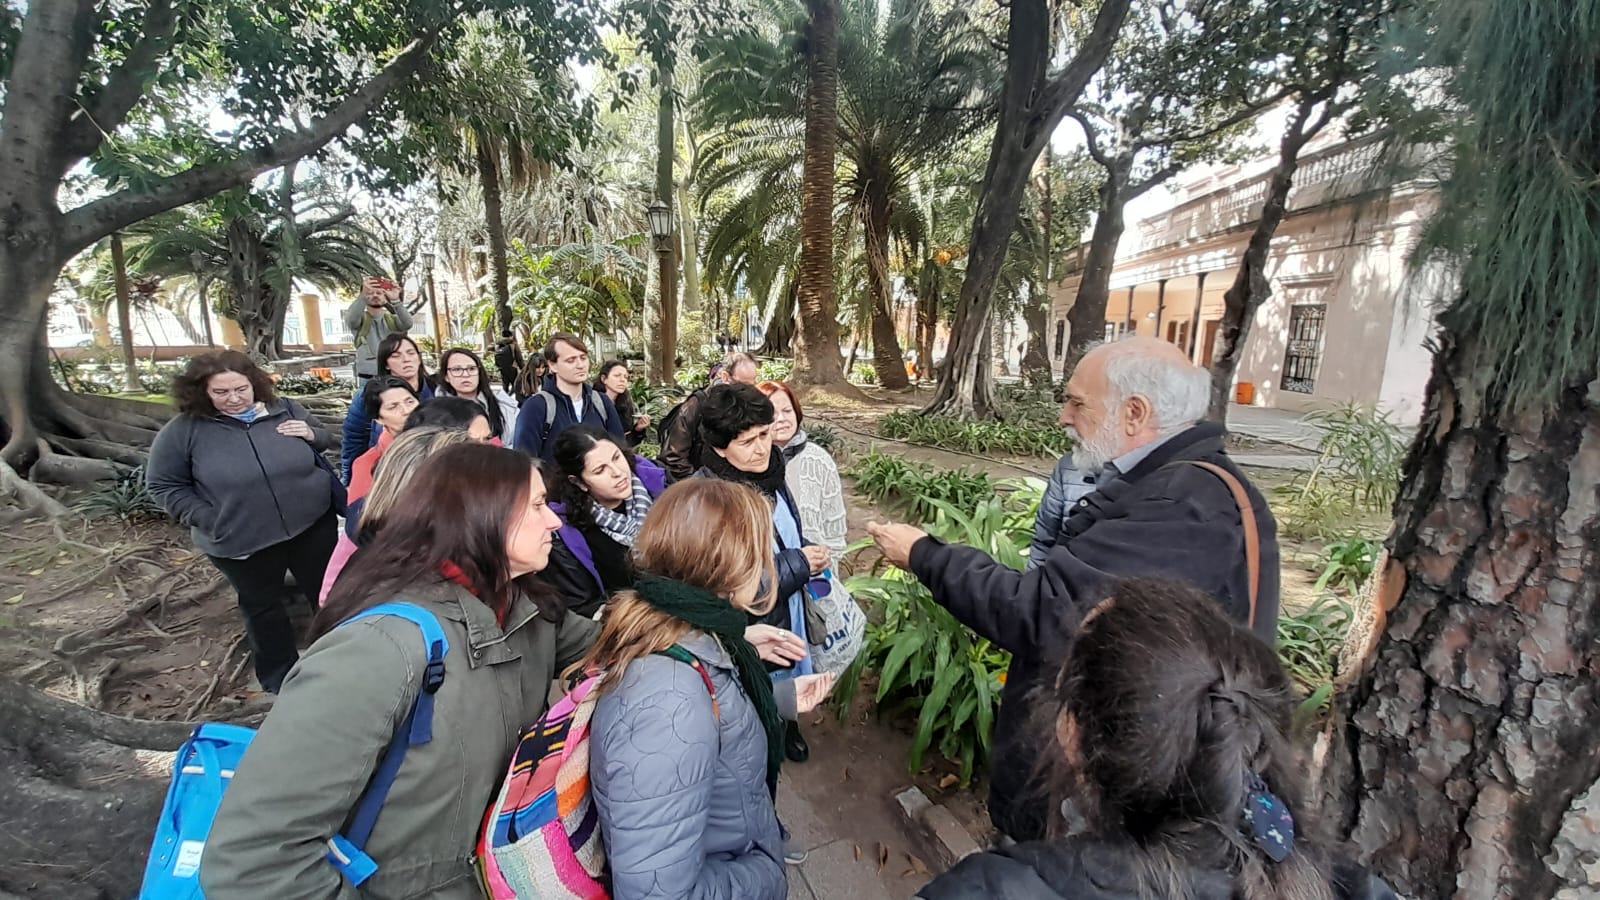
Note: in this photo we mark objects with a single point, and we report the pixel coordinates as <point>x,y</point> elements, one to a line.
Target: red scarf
<point>454,573</point>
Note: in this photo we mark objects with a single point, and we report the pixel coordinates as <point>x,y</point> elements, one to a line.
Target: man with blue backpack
<point>564,399</point>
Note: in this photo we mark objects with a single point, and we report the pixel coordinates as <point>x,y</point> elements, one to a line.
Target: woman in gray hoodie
<point>240,467</point>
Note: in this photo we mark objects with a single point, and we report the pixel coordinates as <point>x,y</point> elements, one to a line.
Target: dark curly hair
<point>571,450</point>
<point>730,410</point>
<point>189,389</point>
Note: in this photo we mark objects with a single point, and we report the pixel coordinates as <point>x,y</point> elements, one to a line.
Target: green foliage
<point>864,373</point>
<point>918,489</point>
<point>1357,473</point>
<point>311,385</point>
<point>1349,564</point>
<point>655,400</point>
<point>777,369</point>
<point>585,289</point>
<point>1308,646</point>
<point>127,499</point>
<point>976,437</point>
<point>825,436</point>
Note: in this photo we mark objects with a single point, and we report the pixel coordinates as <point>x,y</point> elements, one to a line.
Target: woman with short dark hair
<point>1171,770</point>
<point>736,428</point>
<point>240,467</point>
<point>461,552</point>
<point>399,357</point>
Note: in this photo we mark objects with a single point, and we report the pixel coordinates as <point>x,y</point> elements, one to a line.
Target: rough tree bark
<point>1467,764</point>
<point>495,220</point>
<point>1032,104</point>
<point>1087,318</point>
<point>1036,361</point>
<point>816,342</point>
<point>1250,286</point>
<point>88,786</point>
<point>886,356</point>
<point>44,133</point>
<point>781,328</point>
<point>667,254</point>
<point>119,266</point>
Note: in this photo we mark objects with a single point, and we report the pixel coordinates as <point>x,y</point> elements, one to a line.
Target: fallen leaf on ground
<point>13,601</point>
<point>883,857</point>
<point>858,852</point>
<point>917,865</point>
<point>948,782</point>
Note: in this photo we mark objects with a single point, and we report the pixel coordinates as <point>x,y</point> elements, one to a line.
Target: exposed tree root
<point>28,496</point>
<point>224,671</point>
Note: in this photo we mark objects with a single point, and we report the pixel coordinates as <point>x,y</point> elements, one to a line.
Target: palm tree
<point>910,86</point>
<point>587,289</point>
<point>257,256</point>
<point>501,113</point>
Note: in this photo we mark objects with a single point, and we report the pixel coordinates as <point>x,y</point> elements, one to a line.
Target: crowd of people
<point>1143,747</point>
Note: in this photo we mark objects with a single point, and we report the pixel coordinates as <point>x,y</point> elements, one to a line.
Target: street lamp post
<point>439,335</point>
<point>659,215</point>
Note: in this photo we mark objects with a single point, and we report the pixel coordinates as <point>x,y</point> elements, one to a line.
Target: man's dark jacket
<point>1163,518</point>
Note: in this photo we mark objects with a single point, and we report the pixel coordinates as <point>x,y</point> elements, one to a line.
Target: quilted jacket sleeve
<point>653,755</point>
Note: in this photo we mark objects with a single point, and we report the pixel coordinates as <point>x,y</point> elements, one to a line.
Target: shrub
<point>825,436</point>
<point>917,489</point>
<point>1308,646</point>
<point>976,437</point>
<point>308,385</point>
<point>1349,563</point>
<point>776,369</point>
<point>127,499</point>
<point>864,373</point>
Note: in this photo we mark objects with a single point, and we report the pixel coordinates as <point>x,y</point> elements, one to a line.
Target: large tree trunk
<point>494,217</point>
<point>780,334</point>
<point>1468,764</point>
<point>255,302</point>
<point>1032,105</point>
<point>886,357</point>
<point>816,342</point>
<point>1250,287</point>
<point>119,266</point>
<point>1087,317</point>
<point>1036,361</point>
<point>929,290</point>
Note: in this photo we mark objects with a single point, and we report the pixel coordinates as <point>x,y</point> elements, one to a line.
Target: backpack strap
<point>1252,534</point>
<point>346,851</point>
<point>599,404</point>
<point>681,655</point>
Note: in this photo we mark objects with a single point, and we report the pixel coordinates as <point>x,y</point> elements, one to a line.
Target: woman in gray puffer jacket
<point>687,735</point>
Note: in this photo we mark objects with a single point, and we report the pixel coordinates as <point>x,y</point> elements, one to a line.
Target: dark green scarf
<point>714,615</point>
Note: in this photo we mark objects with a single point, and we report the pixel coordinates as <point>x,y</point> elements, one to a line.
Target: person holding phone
<point>375,314</point>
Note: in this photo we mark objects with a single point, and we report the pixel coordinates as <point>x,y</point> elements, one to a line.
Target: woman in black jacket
<point>1171,773</point>
<point>736,430</point>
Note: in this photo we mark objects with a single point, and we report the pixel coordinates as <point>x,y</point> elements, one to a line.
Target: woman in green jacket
<point>462,551</point>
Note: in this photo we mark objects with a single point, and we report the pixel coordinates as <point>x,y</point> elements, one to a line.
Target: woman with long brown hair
<point>687,735</point>
<point>1172,774</point>
<point>462,553</point>
<point>242,468</point>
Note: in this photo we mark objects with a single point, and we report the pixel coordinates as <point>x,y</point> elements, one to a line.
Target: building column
<point>311,316</point>
<point>232,337</point>
<point>1194,320</point>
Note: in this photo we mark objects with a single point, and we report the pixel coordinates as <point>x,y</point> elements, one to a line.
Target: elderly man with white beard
<point>1166,501</point>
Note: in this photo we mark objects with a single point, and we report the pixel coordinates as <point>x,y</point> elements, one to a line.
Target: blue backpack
<point>206,763</point>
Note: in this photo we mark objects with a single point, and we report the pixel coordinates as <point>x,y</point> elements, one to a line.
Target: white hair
<point>1179,392</point>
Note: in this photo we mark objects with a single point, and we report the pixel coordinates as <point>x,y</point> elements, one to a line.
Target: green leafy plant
<point>864,373</point>
<point>127,499</point>
<point>1349,563</point>
<point>916,489</point>
<point>1308,646</point>
<point>776,369</point>
<point>1047,441</point>
<point>825,436</point>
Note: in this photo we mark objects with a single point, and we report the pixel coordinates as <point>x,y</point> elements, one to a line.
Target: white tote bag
<point>836,626</point>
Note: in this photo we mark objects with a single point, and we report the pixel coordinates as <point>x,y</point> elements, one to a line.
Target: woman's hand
<point>811,690</point>
<point>641,422</point>
<point>296,428</point>
<point>819,557</point>
<point>778,646</point>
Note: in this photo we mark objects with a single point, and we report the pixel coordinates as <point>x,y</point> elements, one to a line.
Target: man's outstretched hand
<point>895,541</point>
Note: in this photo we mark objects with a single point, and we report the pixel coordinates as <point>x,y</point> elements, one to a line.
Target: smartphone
<point>386,284</point>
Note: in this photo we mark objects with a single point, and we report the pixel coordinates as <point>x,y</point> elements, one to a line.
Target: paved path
<point>832,870</point>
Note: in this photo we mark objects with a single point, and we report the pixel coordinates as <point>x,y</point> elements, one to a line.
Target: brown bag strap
<point>1252,535</point>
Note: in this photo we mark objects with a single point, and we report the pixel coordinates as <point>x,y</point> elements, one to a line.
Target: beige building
<point>1344,322</point>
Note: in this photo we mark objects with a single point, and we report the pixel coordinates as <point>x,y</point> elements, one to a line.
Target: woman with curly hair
<point>243,469</point>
